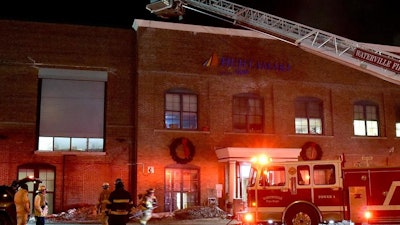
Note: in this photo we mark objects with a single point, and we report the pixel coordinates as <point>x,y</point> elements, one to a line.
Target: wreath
<point>188,150</point>
<point>311,146</point>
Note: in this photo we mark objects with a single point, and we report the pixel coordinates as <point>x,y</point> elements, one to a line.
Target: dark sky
<point>372,21</point>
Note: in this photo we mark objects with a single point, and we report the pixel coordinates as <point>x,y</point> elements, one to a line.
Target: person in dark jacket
<point>120,204</point>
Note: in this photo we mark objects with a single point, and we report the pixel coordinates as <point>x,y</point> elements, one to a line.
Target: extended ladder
<point>384,65</point>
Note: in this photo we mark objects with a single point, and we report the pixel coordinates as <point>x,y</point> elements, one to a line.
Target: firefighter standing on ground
<point>40,205</point>
<point>120,205</point>
<point>148,203</point>
<point>22,204</point>
<point>102,203</point>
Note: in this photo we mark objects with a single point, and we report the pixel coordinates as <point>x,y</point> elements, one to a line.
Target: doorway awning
<point>245,154</point>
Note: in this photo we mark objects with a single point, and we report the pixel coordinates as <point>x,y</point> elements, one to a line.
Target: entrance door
<point>46,174</point>
<point>182,188</point>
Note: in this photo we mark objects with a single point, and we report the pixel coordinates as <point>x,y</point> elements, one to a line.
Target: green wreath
<point>311,151</point>
<point>188,150</point>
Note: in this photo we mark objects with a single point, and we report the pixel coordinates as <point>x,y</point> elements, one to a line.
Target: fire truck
<point>321,191</point>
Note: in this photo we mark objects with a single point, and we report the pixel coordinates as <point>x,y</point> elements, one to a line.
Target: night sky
<point>371,21</point>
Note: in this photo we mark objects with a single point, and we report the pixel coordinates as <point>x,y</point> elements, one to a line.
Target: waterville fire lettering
<point>377,60</point>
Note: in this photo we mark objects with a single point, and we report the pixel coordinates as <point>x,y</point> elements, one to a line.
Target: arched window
<point>308,115</point>
<point>366,119</point>
<point>46,173</point>
<point>248,113</point>
<point>180,109</point>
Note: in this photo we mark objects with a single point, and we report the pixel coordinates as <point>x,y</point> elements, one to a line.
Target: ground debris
<point>87,213</point>
<point>199,212</point>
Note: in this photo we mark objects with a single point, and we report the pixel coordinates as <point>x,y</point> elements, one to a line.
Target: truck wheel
<point>301,215</point>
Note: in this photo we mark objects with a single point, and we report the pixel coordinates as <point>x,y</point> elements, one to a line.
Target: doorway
<point>46,173</point>
<point>182,188</point>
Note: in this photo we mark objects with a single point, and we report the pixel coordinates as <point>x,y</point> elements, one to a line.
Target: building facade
<point>220,96</point>
<point>66,109</point>
<point>179,108</point>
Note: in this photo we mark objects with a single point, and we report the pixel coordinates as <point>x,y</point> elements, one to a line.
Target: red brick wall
<point>78,176</point>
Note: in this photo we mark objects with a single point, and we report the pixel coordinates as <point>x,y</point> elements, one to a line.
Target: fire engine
<point>321,191</point>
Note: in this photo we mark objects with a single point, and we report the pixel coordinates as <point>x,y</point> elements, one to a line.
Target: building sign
<point>377,60</point>
<point>243,66</point>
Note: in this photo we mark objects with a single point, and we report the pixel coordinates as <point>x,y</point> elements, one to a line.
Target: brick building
<point>66,108</point>
<point>180,108</point>
<point>234,94</point>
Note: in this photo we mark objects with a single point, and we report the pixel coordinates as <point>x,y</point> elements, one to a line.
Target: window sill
<point>247,133</point>
<point>311,135</point>
<point>180,131</point>
<point>57,153</point>
<point>368,137</point>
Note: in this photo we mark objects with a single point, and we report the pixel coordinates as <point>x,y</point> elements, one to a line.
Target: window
<point>180,110</point>
<point>272,176</point>
<point>397,121</point>
<point>366,119</point>
<point>71,110</point>
<point>248,113</point>
<point>324,174</point>
<point>303,175</point>
<point>308,115</point>
<point>182,188</point>
<point>46,173</point>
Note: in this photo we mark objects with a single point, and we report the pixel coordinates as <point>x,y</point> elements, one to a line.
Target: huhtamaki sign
<point>377,60</point>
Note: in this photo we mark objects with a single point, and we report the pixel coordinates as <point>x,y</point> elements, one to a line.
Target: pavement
<point>163,221</point>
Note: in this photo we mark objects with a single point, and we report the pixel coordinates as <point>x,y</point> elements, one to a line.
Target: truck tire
<point>4,220</point>
<point>301,214</point>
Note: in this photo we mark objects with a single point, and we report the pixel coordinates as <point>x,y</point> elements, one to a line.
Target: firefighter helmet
<point>105,185</point>
<point>118,181</point>
<point>151,190</point>
<point>41,188</point>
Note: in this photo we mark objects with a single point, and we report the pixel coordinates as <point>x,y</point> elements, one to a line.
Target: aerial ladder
<point>382,64</point>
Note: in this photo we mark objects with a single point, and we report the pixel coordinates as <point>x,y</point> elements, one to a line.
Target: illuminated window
<point>272,176</point>
<point>324,174</point>
<point>397,125</point>
<point>182,188</point>
<point>71,110</point>
<point>308,115</point>
<point>303,175</point>
<point>366,121</point>
<point>248,113</point>
<point>180,110</point>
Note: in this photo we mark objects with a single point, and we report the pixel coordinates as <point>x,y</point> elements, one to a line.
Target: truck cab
<point>295,193</point>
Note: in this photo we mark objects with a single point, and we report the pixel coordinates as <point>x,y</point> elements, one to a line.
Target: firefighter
<point>120,204</point>
<point>22,204</point>
<point>148,204</point>
<point>102,203</point>
<point>40,205</point>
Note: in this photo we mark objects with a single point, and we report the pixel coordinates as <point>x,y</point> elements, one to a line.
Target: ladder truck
<point>312,192</point>
<point>379,63</point>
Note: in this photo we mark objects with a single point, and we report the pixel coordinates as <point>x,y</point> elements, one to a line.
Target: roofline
<point>137,23</point>
<point>230,31</point>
